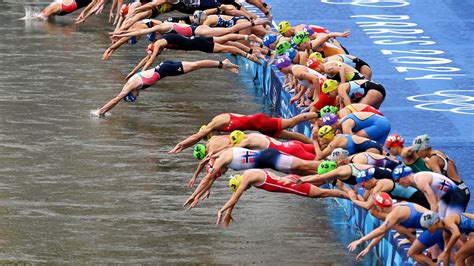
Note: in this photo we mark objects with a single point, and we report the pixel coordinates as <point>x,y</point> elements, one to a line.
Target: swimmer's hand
<point>111,16</point>
<point>191,182</point>
<point>188,201</point>
<point>352,246</point>
<point>177,149</point>
<point>97,113</point>
<point>361,255</point>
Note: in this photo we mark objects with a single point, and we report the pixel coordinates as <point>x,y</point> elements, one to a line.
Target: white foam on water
<point>32,13</point>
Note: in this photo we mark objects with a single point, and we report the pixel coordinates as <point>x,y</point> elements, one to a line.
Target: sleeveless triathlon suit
<point>270,126</point>
<point>466,225</point>
<point>444,172</point>
<point>178,42</point>
<point>419,166</point>
<point>294,148</point>
<point>164,69</point>
<point>368,109</point>
<point>426,238</point>
<point>376,127</point>
<point>357,92</point>
<point>274,185</point>
<point>354,148</point>
<point>379,173</point>
<point>222,23</point>
<point>349,75</point>
<point>268,158</point>
<point>76,4</point>
<point>452,199</point>
<point>183,29</point>
<point>384,163</point>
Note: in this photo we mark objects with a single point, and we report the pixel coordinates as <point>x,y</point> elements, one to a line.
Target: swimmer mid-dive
<point>145,79</point>
<point>62,7</point>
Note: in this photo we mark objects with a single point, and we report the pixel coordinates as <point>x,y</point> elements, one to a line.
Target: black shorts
<point>369,85</point>
<point>169,68</point>
<point>382,173</point>
<point>419,198</point>
<point>267,159</point>
<point>368,144</point>
<point>359,63</point>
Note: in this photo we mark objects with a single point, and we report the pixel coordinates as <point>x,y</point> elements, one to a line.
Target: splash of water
<point>32,13</point>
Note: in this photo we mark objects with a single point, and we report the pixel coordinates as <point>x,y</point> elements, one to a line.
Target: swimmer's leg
<point>226,65</point>
<point>317,192</point>
<point>53,9</point>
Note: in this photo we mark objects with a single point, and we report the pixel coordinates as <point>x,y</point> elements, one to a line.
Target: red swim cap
<point>150,48</point>
<point>313,63</point>
<point>394,140</point>
<point>124,10</point>
<point>382,199</point>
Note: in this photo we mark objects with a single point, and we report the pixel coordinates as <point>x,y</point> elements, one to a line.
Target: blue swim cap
<point>401,171</point>
<point>291,53</point>
<point>133,40</point>
<point>269,39</point>
<point>365,175</point>
<point>130,97</point>
<point>151,36</point>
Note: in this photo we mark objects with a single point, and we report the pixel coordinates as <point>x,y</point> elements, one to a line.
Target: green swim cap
<point>301,37</point>
<point>199,151</point>
<point>326,167</point>
<point>328,109</point>
<point>281,47</point>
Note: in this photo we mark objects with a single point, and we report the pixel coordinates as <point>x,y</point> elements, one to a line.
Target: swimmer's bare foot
<point>227,65</point>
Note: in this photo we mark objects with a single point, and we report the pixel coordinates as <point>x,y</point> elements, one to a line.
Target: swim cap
<point>301,37</point>
<point>428,219</point>
<point>208,136</point>
<point>421,143</point>
<point>123,10</point>
<point>234,182</point>
<point>382,199</point>
<point>328,109</point>
<point>283,27</point>
<point>291,53</point>
<point>336,152</point>
<point>326,167</point>
<point>394,140</point>
<point>329,85</point>
<point>199,16</point>
<point>150,48</point>
<point>365,175</point>
<point>151,36</point>
<point>162,8</point>
<point>313,63</point>
<point>199,151</point>
<point>330,119</point>
<point>283,61</point>
<point>269,39</point>
<point>401,171</point>
<point>281,47</point>
<point>133,40</point>
<point>236,137</point>
<point>317,55</point>
<point>326,132</point>
<point>130,97</point>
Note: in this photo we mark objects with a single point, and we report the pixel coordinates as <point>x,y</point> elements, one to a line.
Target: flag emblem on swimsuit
<point>445,186</point>
<point>249,157</point>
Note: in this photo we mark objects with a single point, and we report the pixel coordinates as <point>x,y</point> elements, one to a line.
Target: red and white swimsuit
<point>270,126</point>
<point>273,185</point>
<point>295,148</point>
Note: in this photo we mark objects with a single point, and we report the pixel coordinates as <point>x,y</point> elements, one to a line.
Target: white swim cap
<point>335,154</point>
<point>428,219</point>
<point>421,143</point>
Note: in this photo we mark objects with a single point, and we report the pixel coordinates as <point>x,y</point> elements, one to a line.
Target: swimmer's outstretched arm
<point>140,32</point>
<point>199,168</point>
<point>390,222</point>
<point>158,46</point>
<point>114,101</point>
<point>145,7</point>
<point>86,10</point>
<point>114,47</point>
<point>324,178</point>
<point>229,205</point>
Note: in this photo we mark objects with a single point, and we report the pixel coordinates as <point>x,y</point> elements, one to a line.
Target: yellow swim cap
<point>236,137</point>
<point>329,85</point>
<point>208,136</point>
<point>234,182</point>
<point>283,27</point>
<point>318,56</point>
<point>326,132</point>
<point>162,8</point>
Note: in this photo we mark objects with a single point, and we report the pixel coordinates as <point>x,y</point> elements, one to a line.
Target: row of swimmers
<point>351,143</point>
